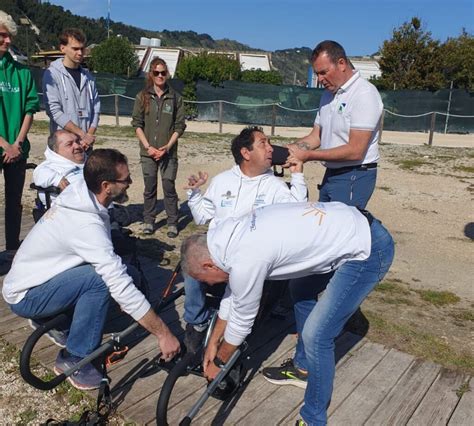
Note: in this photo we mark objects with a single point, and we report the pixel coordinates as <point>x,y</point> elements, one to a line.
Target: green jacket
<point>18,98</point>
<point>162,119</point>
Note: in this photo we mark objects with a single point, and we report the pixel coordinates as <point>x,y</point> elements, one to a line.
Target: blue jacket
<point>65,102</point>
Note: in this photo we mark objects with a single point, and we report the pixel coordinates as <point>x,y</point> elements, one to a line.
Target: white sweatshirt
<point>232,194</point>
<point>279,242</point>
<point>53,169</point>
<point>75,231</point>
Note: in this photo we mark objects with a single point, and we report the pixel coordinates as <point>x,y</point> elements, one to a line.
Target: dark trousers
<point>168,168</point>
<point>14,175</point>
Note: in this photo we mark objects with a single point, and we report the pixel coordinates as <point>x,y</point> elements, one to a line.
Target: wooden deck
<point>374,385</point>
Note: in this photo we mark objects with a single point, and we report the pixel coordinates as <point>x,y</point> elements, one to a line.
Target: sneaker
<point>286,374</point>
<point>58,337</point>
<point>193,338</point>
<point>86,378</point>
<point>172,231</point>
<point>148,229</point>
<point>301,422</point>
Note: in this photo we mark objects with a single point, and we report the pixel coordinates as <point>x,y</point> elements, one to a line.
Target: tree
<point>458,61</point>
<point>411,59</point>
<point>115,55</point>
<point>204,66</point>
<point>260,76</point>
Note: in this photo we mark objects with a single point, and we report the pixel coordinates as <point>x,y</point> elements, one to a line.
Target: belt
<point>367,215</point>
<point>341,170</point>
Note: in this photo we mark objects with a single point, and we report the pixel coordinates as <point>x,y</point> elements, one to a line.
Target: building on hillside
<point>367,66</point>
<point>150,48</point>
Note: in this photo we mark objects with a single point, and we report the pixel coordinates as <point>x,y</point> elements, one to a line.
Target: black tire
<point>179,370</point>
<point>25,357</point>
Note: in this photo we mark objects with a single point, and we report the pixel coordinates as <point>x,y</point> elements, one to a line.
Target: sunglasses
<point>5,35</point>
<point>157,73</point>
<point>128,180</point>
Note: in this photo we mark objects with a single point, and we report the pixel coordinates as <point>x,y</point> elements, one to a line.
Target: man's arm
<point>354,150</point>
<point>13,152</point>
<point>310,141</point>
<point>169,344</point>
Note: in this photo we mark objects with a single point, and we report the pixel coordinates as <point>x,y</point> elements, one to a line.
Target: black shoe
<point>193,339</point>
<point>286,374</point>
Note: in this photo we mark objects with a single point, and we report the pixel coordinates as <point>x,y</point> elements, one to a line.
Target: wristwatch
<point>218,362</point>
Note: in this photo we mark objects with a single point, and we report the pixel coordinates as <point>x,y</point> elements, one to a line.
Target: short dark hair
<point>102,166</point>
<point>332,48</point>
<point>72,33</point>
<point>244,140</point>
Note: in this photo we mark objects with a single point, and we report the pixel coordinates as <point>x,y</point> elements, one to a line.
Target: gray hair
<point>7,21</point>
<point>54,139</point>
<point>193,251</point>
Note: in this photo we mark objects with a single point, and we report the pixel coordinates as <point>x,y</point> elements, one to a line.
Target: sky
<point>360,26</point>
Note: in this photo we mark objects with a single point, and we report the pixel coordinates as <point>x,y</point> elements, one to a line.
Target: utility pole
<point>26,23</point>
<point>108,18</point>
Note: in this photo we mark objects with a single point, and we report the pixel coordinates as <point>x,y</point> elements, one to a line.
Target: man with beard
<point>67,264</point>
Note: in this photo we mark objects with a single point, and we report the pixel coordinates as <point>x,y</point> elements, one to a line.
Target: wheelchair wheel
<point>182,368</point>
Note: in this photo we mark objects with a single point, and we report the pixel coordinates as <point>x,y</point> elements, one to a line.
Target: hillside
<point>49,20</point>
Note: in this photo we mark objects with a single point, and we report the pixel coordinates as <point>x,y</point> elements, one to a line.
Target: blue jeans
<point>353,188</point>
<point>195,310</point>
<point>80,292</point>
<point>345,291</point>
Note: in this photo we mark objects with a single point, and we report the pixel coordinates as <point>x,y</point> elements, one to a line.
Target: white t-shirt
<point>356,105</point>
<point>278,242</point>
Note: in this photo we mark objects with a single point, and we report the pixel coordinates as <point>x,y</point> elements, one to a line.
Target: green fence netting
<point>264,104</point>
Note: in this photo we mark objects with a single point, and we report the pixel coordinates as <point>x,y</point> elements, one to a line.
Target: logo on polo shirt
<point>342,107</point>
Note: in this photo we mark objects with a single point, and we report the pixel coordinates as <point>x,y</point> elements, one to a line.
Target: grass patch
<point>464,169</point>
<point>438,298</point>
<point>391,286</point>
<point>462,315</point>
<point>420,344</point>
<point>463,389</point>
<point>412,164</point>
<point>27,416</point>
<point>385,188</point>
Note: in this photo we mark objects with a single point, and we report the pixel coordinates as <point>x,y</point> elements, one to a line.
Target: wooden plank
<point>255,391</point>
<point>354,370</point>
<point>189,388</point>
<point>464,412</point>
<point>358,406</point>
<point>401,402</point>
<point>440,400</point>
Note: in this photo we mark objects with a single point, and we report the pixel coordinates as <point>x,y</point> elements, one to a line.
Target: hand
<point>162,150</point>
<point>211,372</point>
<point>209,355</point>
<point>169,346</point>
<point>87,140</point>
<point>194,182</point>
<point>297,154</point>
<point>154,153</point>
<point>63,183</point>
<point>12,153</point>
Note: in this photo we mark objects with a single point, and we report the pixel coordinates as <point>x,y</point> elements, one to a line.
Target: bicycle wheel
<point>182,368</point>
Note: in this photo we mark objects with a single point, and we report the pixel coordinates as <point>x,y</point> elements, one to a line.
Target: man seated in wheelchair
<point>248,185</point>
<point>64,163</point>
<point>287,241</point>
<point>67,264</point>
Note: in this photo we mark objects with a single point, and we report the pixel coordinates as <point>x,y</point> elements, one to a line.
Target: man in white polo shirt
<point>346,130</point>
<point>345,138</point>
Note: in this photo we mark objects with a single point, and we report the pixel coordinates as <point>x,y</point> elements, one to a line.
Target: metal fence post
<point>381,125</point>
<point>117,123</point>
<point>273,119</point>
<point>432,128</point>
<point>220,116</point>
